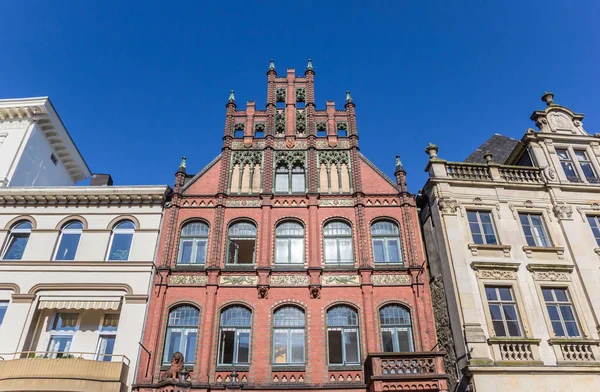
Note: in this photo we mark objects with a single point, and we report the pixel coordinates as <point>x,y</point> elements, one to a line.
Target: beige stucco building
<point>76,264</point>
<point>513,240</point>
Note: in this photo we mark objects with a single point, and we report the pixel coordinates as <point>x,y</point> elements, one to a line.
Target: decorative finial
<point>182,165</point>
<point>398,162</point>
<point>348,97</point>
<point>548,97</point>
<point>309,65</point>
<point>231,97</point>
<point>272,65</point>
<point>432,150</point>
<point>488,157</point>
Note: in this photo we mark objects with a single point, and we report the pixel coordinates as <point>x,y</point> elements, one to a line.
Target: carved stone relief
<point>336,280</point>
<point>246,157</point>
<point>300,122</point>
<point>563,211</point>
<point>188,279</point>
<point>280,95</point>
<point>241,280</point>
<point>243,203</point>
<point>280,123</point>
<point>300,94</point>
<point>290,158</point>
<point>336,203</point>
<point>449,206</point>
<point>289,280</point>
<point>391,279</point>
<point>496,274</point>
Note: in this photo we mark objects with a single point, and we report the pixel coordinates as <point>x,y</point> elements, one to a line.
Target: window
<point>69,241</point>
<point>342,336</point>
<point>503,311</point>
<point>396,329</point>
<point>561,312</point>
<point>61,335</point>
<point>586,166</point>
<point>108,335</point>
<point>534,229</point>
<point>120,241</point>
<point>567,164</point>
<point>342,133</point>
<point>289,243</point>
<point>238,133</point>
<point>386,242</point>
<point>594,222</point>
<point>290,180</point>
<point>242,241</point>
<point>3,307</point>
<point>192,244</point>
<point>337,239</point>
<point>234,340</point>
<point>182,333</point>
<point>321,132</point>
<point>482,228</point>
<point>17,240</point>
<point>288,336</point>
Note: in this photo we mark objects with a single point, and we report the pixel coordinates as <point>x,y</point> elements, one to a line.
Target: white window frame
<point>53,332</point>
<point>573,158</point>
<point>104,334</point>
<point>116,230</point>
<point>549,237</point>
<point>10,235</point>
<point>287,238</point>
<point>65,230</point>
<point>337,243</point>
<point>195,240</point>
<point>478,211</point>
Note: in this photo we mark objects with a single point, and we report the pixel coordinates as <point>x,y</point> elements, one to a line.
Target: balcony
<point>491,172</point>
<point>81,372</point>
<point>422,371</point>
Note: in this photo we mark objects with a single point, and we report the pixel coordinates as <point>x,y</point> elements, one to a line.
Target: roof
<point>499,145</point>
<point>189,182</point>
<point>377,170</point>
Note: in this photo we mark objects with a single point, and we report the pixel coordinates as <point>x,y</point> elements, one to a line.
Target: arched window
<point>17,240</point>
<point>386,242</point>
<point>289,239</point>
<point>396,329</point>
<point>290,179</point>
<point>288,336</point>
<point>234,340</point>
<point>342,336</point>
<point>241,243</point>
<point>337,239</point>
<point>120,240</point>
<point>69,241</point>
<point>192,243</point>
<point>182,333</point>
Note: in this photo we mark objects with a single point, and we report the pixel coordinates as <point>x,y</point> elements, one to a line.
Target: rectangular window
<point>16,246</point>
<point>567,164</point>
<point>235,346</point>
<point>561,312</point>
<point>3,307</point>
<point>343,346</point>
<point>241,251</point>
<point>61,335</point>
<point>288,346</point>
<point>586,166</point>
<point>298,182</point>
<point>482,228</point>
<point>503,311</point>
<point>183,340</point>
<point>534,229</point>
<point>594,222</point>
<point>282,182</point>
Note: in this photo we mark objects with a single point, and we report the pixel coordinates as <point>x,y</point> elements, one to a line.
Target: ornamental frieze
<point>336,203</point>
<point>289,280</point>
<point>239,145</point>
<point>195,203</point>
<point>340,280</point>
<point>391,279</point>
<point>239,280</point>
<point>551,272</point>
<point>188,279</point>
<point>298,145</point>
<point>243,203</point>
<point>495,271</point>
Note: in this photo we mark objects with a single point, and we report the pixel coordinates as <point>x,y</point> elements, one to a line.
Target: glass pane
<point>337,228</point>
<point>173,343</point>
<point>476,233</point>
<point>499,328</point>
<point>186,252</point>
<point>393,251</point>
<point>547,294</point>
<point>513,328</point>
<point>288,316</point>
<point>394,315</point>
<point>379,251</point>
<point>558,329</point>
<point>242,229</point>
<point>334,342</point>
<point>121,244</point>
<point>297,343</point>
<point>404,340</point>
<point>572,329</point>
<point>281,182</point>
<point>59,344</point>
<point>298,182</point>
<point>490,236</point>
<point>226,346</point>
<point>280,354</point>
<point>345,248</point>
<point>341,316</point>
<point>190,346</point>
<point>68,246</point>
<point>588,171</point>
<point>107,346</point>
<point>569,170</point>
<point>561,295</point>
<point>244,250</point>
<point>184,316</point>
<point>351,346</point>
<point>510,312</point>
<point>490,293</point>
<point>3,306</point>
<point>200,251</point>
<point>243,347</point>
<point>125,225</point>
<point>236,316</point>
<point>297,250</point>
<point>331,250</point>
<point>16,246</point>
<point>553,312</point>
<point>524,220</point>
<point>387,341</point>
<point>290,229</point>
<point>495,312</point>
<point>472,216</point>
<point>567,312</point>
<point>22,226</point>
<point>384,228</point>
<point>65,322</point>
<point>505,294</point>
<point>195,229</point>
<point>562,154</point>
<point>282,251</point>
<point>485,218</point>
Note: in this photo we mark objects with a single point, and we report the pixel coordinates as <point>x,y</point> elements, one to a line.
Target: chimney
<point>101,180</point>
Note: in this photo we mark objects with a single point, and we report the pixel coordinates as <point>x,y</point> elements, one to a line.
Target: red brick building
<point>292,259</point>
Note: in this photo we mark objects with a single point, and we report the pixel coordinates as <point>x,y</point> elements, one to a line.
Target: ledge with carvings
<point>530,250</point>
<point>475,248</point>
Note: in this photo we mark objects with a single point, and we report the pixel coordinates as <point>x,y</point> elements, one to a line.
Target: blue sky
<point>138,86</point>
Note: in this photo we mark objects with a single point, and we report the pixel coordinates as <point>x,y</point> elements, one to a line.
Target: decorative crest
<point>309,66</point>
<point>271,65</point>
<point>231,97</point>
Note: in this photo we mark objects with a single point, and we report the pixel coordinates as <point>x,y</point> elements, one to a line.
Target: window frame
<point>501,303</point>
<point>106,334</point>
<point>53,332</point>
<point>337,237</point>
<point>394,328</point>
<point>386,238</point>
<point>20,233</point>
<point>596,220</point>
<point>117,231</point>
<point>289,331</point>
<point>288,239</point>
<point>229,238</point>
<point>481,233</point>
<point>571,302</point>
<point>574,160</point>
<point>549,238</point>
<point>3,305</point>
<point>195,240</point>
<point>184,330</point>
<point>343,333</point>
<point>289,168</point>
<point>65,230</point>
<point>238,330</point>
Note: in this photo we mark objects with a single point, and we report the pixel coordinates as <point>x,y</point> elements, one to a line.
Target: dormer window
<point>577,165</point>
<point>586,166</point>
<point>567,165</point>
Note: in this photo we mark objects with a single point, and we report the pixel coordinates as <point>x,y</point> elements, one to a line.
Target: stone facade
<point>289,169</point>
<point>519,236</point>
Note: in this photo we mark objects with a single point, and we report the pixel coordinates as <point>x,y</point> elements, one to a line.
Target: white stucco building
<point>513,241</point>
<point>76,262</point>
<point>35,147</point>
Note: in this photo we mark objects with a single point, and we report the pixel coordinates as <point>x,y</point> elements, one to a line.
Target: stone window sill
<point>189,267</point>
<point>475,248</point>
<point>230,368</point>
<point>530,250</point>
<point>239,267</point>
<point>579,340</point>
<point>502,339</point>
<point>335,368</point>
<point>288,368</point>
